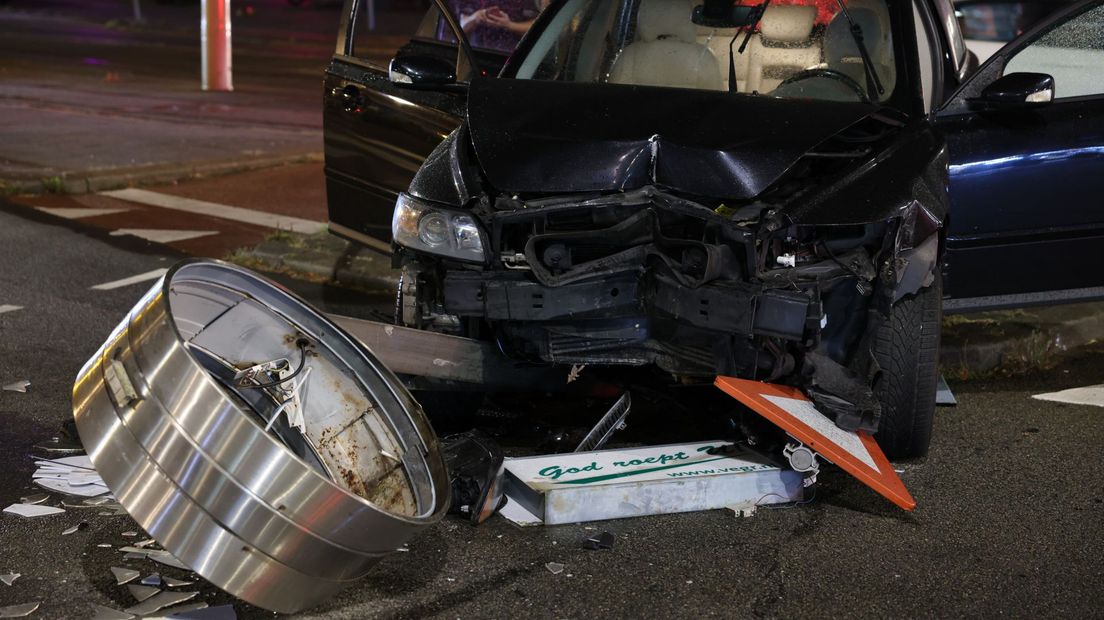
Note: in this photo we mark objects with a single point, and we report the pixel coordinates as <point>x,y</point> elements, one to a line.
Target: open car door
<point>387,102</point>
<point>1025,134</point>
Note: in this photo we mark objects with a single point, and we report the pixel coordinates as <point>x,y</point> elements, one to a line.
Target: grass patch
<point>53,185</point>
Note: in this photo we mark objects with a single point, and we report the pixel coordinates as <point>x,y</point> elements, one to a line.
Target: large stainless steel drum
<point>173,411</point>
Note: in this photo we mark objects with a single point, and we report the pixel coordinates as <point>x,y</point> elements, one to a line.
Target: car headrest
<point>665,19</point>
<point>788,23</point>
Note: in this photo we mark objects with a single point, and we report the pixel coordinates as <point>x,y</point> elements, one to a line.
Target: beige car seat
<point>784,46</point>
<point>665,52</point>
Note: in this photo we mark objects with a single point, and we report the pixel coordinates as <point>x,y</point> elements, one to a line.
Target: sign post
<point>215,38</point>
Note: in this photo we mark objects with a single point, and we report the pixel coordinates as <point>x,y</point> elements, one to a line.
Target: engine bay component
<point>255,440</point>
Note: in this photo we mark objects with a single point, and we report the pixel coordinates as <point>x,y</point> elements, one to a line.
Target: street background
<point>1011,498</point>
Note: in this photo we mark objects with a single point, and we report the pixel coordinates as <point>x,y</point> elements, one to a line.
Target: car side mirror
<point>1017,90</point>
<point>422,72</point>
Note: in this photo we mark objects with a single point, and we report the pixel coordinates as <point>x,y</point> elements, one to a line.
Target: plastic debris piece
<point>19,611</point>
<point>33,510</point>
<point>176,583</point>
<point>186,608</point>
<point>124,575</point>
<point>611,422</point>
<point>554,567</point>
<point>18,386</point>
<point>159,601</point>
<point>107,613</point>
<point>152,579</point>
<point>59,446</point>
<point>63,486</point>
<point>218,612</point>
<point>130,534</point>
<point>9,578</point>
<point>142,544</point>
<point>168,559</point>
<point>141,593</point>
<point>36,498</point>
<point>76,528</point>
<point>599,541</point>
<point>476,467</point>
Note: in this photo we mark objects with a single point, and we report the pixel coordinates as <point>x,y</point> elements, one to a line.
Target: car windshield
<point>800,48</point>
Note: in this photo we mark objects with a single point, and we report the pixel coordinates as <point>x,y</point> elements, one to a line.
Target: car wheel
<point>906,347</point>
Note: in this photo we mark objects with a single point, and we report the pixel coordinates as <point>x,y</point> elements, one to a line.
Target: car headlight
<point>424,226</point>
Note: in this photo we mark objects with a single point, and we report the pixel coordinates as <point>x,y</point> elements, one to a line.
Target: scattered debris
<point>475,466</point>
<point>72,475</point>
<point>76,528</point>
<point>573,374</point>
<point>33,510</point>
<point>124,575</point>
<point>141,593</point>
<point>160,601</point>
<point>745,510</point>
<point>58,446</point>
<point>176,583</point>
<point>554,567</point>
<point>611,484</point>
<point>19,611</point>
<point>182,611</point>
<point>168,559</point>
<point>98,501</point>
<point>37,498</point>
<point>219,612</point>
<point>1088,395</point>
<point>130,534</point>
<point>107,613</point>
<point>142,544</point>
<point>599,541</point>
<point>17,386</point>
<point>104,545</point>
<point>944,397</point>
<point>152,579</point>
<point>613,421</point>
<point>9,578</point>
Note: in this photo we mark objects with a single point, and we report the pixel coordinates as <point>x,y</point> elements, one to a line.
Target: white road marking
<point>214,209</point>
<point>9,308</point>
<point>142,277</point>
<point>77,213</point>
<point>1089,395</point>
<point>162,236</point>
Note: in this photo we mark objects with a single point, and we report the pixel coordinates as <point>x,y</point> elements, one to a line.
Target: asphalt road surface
<point>1009,521</point>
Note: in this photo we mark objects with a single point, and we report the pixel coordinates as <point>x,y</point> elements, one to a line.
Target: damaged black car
<point>757,190</point>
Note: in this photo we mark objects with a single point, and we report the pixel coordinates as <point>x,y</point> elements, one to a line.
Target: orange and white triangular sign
<point>855,452</point>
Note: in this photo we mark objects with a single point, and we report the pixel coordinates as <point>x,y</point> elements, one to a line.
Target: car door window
<point>377,37</point>
<point>1073,53</point>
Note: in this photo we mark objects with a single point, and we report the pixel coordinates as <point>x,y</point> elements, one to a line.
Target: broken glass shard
<point>183,611</point>
<point>554,567</point>
<point>107,613</point>
<point>141,593</point>
<point>124,575</point>
<point>600,541</point>
<point>218,612</point>
<point>9,578</point>
<point>152,580</point>
<point>176,583</point>
<point>17,386</point>
<point>18,611</point>
<point>168,559</point>
<point>130,534</point>
<point>76,528</point>
<point>37,498</point>
<point>32,510</point>
<point>160,601</point>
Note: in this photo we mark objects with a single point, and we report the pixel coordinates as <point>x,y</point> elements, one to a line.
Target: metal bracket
<point>803,460</point>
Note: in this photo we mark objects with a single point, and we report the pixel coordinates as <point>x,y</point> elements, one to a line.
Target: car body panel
<point>1024,190</point>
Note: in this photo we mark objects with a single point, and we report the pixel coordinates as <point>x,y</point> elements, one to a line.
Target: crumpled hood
<point>550,137</point>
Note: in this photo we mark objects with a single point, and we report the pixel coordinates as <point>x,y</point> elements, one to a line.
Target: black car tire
<point>906,347</point>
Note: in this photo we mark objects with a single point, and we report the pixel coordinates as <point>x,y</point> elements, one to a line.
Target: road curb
<point>989,342</point>
<point>322,257</point>
<point>84,182</point>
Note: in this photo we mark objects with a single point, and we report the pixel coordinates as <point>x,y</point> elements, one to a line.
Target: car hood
<point>546,137</point>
